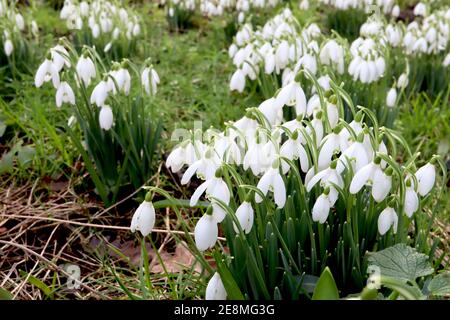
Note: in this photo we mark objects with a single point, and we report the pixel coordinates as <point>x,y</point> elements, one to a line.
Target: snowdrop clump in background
<point>103,19</point>
<point>86,73</point>
<point>14,26</point>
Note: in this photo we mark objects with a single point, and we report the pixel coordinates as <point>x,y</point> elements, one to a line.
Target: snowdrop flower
<point>402,81</point>
<point>272,112</point>
<point>100,93</point>
<point>106,117</point>
<point>388,218</point>
<point>59,56</point>
<point>391,98</point>
<point>34,28</point>
<point>293,150</point>
<point>121,82</point>
<point>420,9</point>
<point>232,50</point>
<point>144,218</point>
<point>304,5</point>
<point>46,72</point>
<point>20,22</point>
<point>321,208</point>
<point>446,61</point>
<point>206,232</point>
<point>330,144</point>
<point>64,94</point>
<point>245,216</point>
<point>426,176</point>
<point>372,173</point>
<point>95,31</point>
<point>107,47</point>
<point>86,69</point>
<point>150,80</point>
<point>328,178</point>
<point>215,289</point>
<point>272,180</point>
<point>292,94</point>
<point>333,53</point>
<point>411,204</point>
<point>355,154</point>
<point>282,55</point>
<point>395,11</point>
<point>205,167</point>
<point>237,82</point>
<point>215,188</point>
<point>181,155</point>
<point>8,47</point>
<point>255,158</point>
<point>71,121</point>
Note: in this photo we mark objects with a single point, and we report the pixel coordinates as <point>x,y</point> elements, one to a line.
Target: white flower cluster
<point>13,24</point>
<point>114,81</point>
<point>431,35</point>
<point>211,8</point>
<point>278,47</point>
<point>102,17</point>
<point>185,5</point>
<point>329,150</point>
<point>369,6</point>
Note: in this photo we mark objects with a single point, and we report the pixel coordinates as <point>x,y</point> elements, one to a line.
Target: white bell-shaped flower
<point>60,57</point>
<point>144,218</point>
<point>214,188</point>
<point>391,98</point>
<point>245,215</point>
<point>272,180</point>
<point>321,208</point>
<point>8,47</point>
<point>426,177</point>
<point>46,72</point>
<point>100,93</point>
<point>206,232</point>
<point>237,82</point>
<point>388,218</point>
<point>292,95</point>
<point>64,94</point>
<point>106,117</point>
<point>215,289</point>
<point>150,80</point>
<point>293,150</point>
<point>411,204</point>
<point>205,167</point>
<point>86,69</point>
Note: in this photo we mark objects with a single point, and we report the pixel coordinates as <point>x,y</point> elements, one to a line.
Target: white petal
<point>361,177</point>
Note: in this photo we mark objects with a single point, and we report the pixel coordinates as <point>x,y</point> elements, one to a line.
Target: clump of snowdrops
<point>113,108</point>
<point>107,25</point>
<point>346,16</point>
<point>272,55</point>
<point>296,189</point>
<point>17,30</point>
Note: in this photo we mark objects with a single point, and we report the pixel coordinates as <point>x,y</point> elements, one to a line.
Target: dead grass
<point>43,228</point>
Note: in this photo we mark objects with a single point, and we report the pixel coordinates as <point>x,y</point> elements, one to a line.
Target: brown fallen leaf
<point>182,259</point>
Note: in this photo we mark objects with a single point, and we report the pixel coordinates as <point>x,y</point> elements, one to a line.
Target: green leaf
<point>440,285</point>
<point>25,155</point>
<point>7,162</point>
<point>2,128</point>
<point>38,283</point>
<point>5,294</point>
<point>326,288</point>
<point>233,291</point>
<point>401,262</point>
